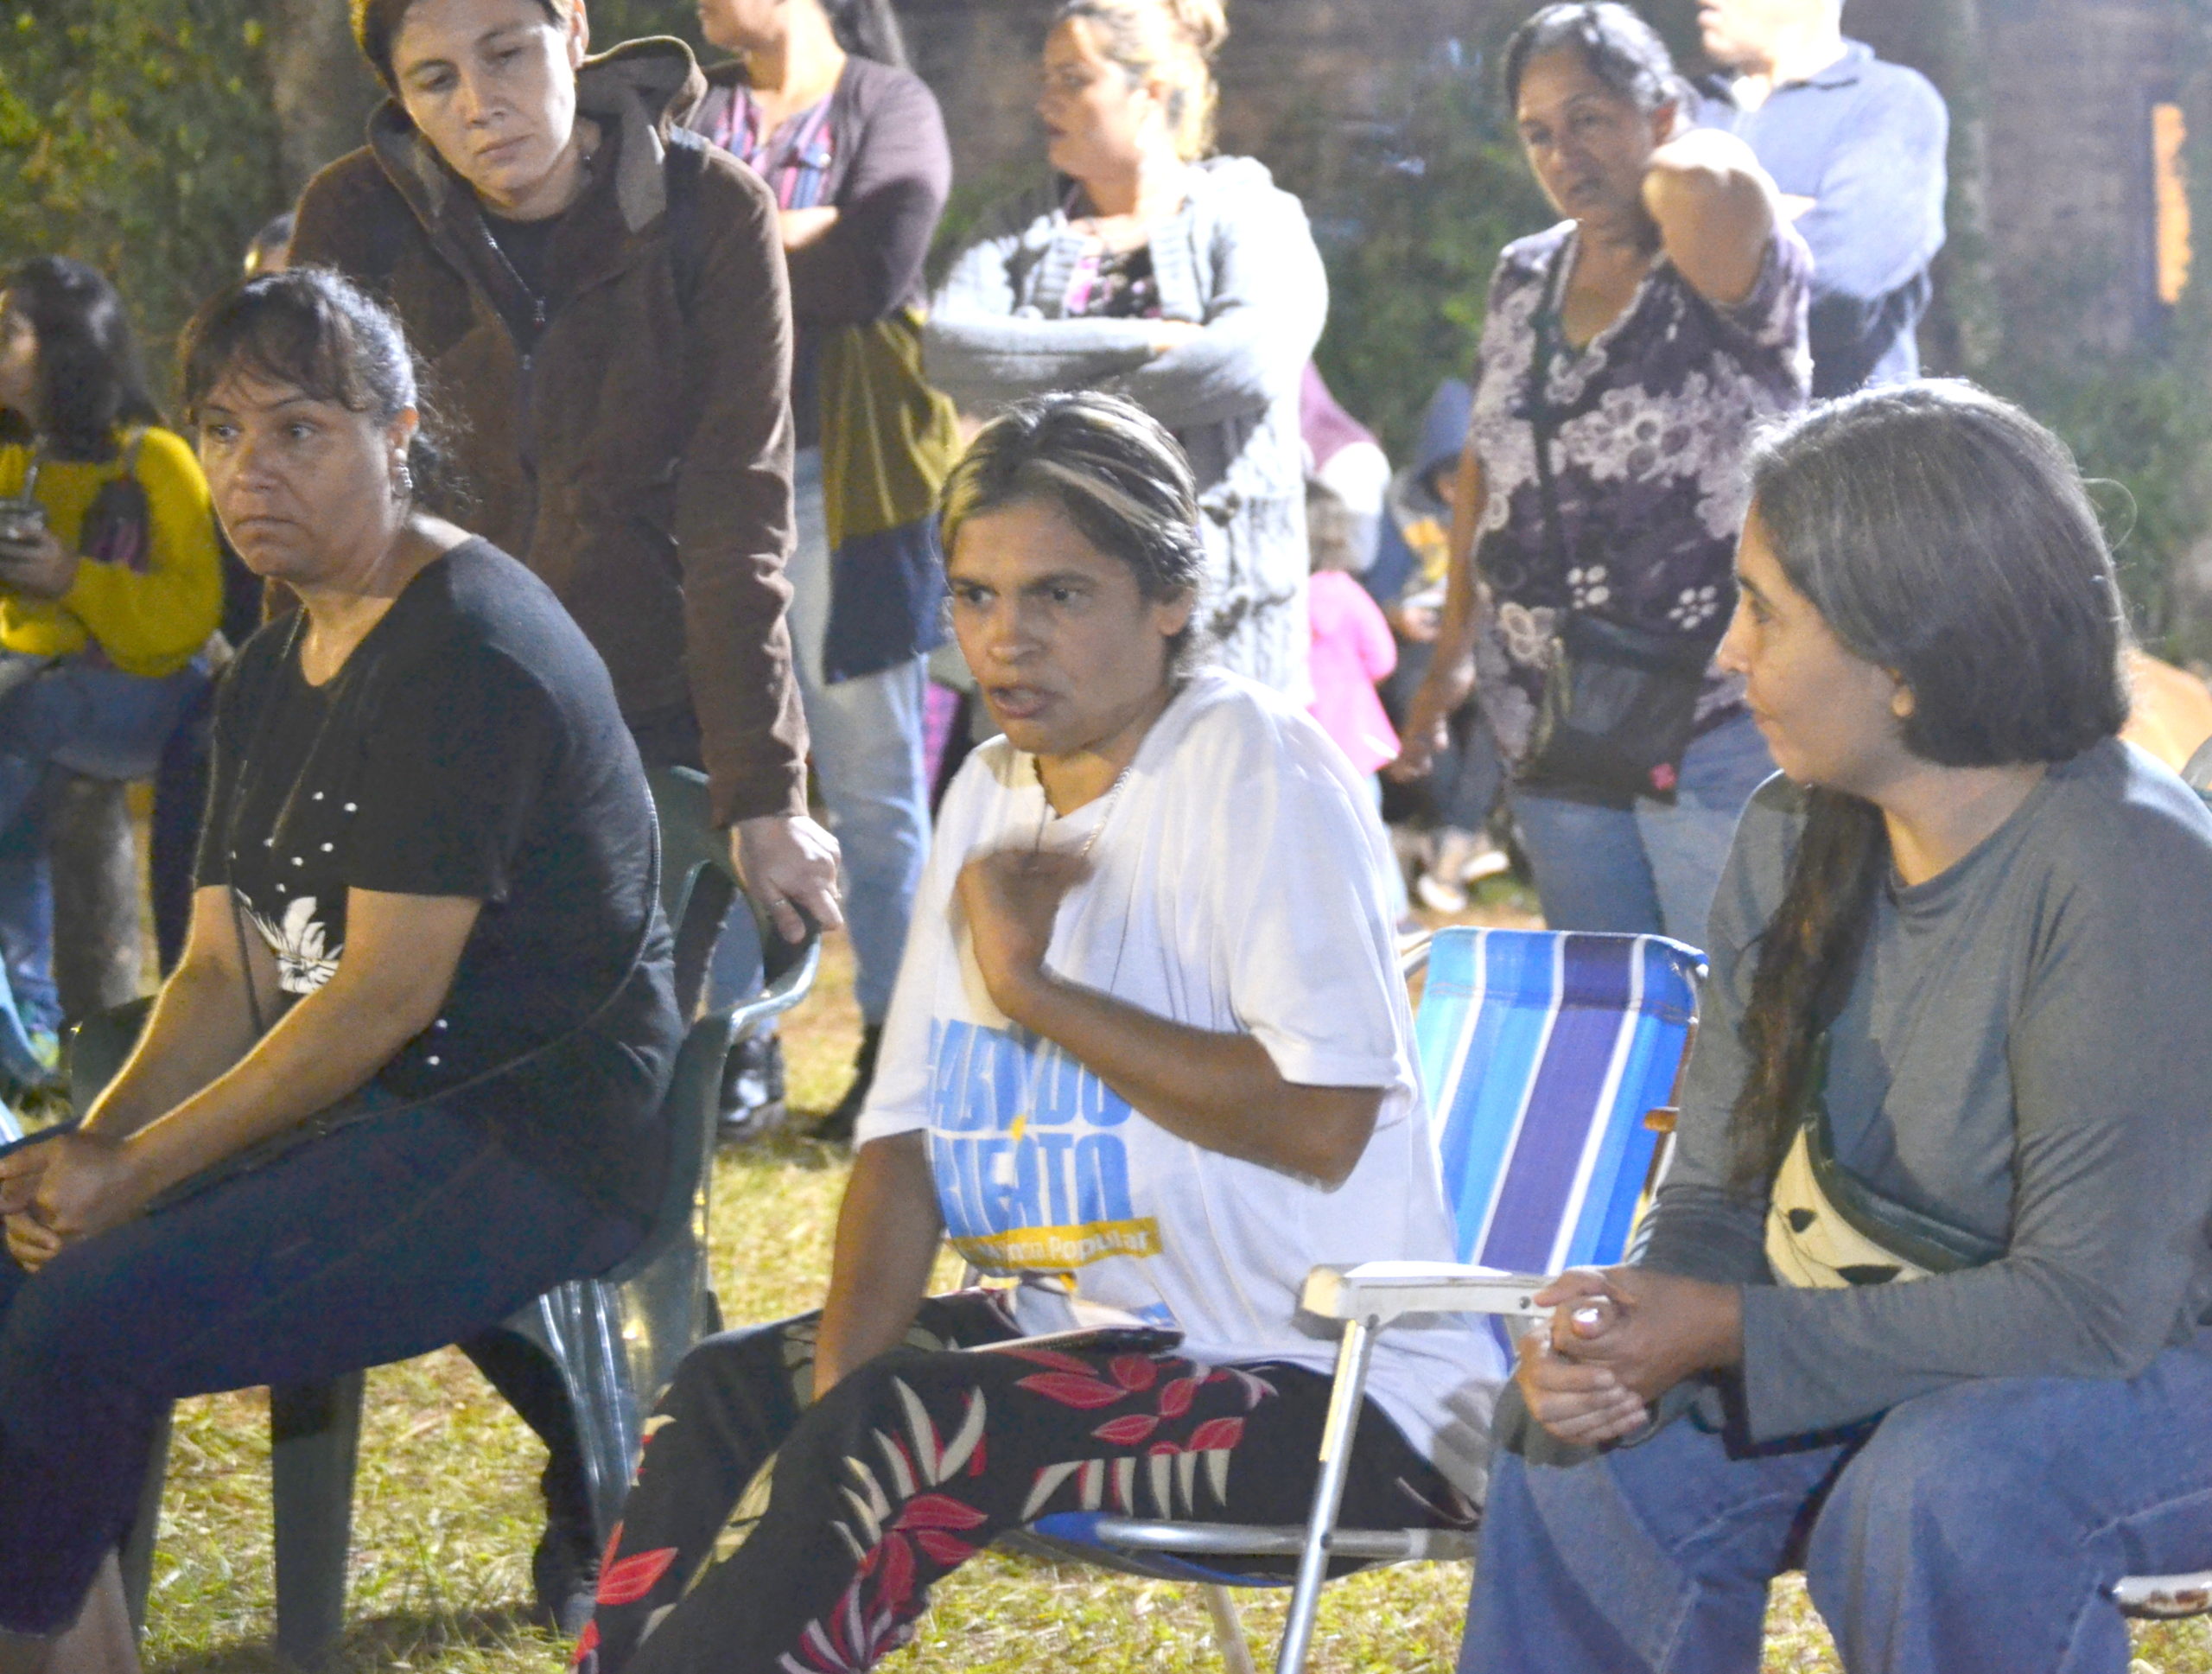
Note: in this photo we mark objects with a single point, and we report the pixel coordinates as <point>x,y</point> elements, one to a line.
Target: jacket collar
<point>1857,55</point>
<point>1846,72</point>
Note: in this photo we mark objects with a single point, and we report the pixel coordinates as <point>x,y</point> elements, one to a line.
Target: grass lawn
<point>446,1509</point>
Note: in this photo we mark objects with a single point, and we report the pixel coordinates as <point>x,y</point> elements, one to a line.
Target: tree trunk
<point>96,960</point>
<point>1976,314</point>
<point>322,90</point>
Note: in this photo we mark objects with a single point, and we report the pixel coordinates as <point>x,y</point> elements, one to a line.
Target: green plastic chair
<point>615,1340</point>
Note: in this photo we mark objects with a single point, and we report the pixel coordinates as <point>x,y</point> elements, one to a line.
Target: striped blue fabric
<point>1542,1051</point>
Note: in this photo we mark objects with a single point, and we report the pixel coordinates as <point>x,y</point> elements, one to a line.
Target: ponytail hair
<point>1172,41</point>
<point>1947,537</point>
<point>867,28</point>
<point>1807,957</point>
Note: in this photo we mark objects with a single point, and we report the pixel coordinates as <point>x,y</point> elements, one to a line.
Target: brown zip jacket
<point>634,449</point>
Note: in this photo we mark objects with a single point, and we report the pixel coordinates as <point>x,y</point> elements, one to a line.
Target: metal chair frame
<point>1366,1299</point>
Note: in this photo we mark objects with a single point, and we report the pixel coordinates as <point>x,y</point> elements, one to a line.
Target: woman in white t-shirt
<point>1150,1053</point>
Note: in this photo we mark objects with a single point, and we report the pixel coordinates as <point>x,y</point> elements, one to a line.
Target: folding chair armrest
<point>1381,1291</point>
<point>1250,1540</point>
<point>787,988</point>
<point>2156,1598</point>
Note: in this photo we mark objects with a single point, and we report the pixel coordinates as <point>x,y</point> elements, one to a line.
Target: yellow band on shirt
<point>1033,1249</point>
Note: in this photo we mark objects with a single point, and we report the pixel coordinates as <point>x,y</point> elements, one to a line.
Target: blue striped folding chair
<point>1551,1060</point>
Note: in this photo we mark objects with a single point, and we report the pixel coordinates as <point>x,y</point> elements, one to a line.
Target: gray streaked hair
<point>1944,534</point>
<point>1112,467</point>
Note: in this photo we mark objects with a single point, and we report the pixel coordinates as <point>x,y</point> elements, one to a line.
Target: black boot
<point>836,1127</point>
<point>565,1569</point>
<point>753,1089</point>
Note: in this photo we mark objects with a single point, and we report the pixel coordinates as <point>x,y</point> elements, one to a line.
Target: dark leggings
<point>386,1239</point>
<point>919,1460</point>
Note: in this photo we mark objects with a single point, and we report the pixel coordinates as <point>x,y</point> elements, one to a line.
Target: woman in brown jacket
<point>604,308</point>
<point>602,304</point>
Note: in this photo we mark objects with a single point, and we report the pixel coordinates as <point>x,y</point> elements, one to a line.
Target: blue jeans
<point>386,1239</point>
<point>1975,1528</point>
<point>87,719</point>
<point>867,736</point>
<point>1651,869</point>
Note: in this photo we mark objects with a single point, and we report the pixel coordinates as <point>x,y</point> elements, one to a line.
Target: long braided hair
<point>1945,535</point>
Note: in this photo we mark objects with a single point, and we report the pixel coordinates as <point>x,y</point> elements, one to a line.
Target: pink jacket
<point>1353,649</point>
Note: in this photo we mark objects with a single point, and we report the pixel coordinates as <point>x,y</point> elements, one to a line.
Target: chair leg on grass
<point>101,1642</point>
<point>1229,1630</point>
<point>1353,1352</point>
<point>316,1435</point>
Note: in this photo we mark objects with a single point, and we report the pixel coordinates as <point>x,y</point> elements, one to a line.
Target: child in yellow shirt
<point>110,579</point>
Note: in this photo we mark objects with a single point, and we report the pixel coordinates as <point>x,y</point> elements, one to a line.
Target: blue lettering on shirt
<point>1023,1138</point>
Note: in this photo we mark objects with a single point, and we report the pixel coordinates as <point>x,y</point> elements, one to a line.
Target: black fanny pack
<point>1618,711</point>
<point>1826,1228</point>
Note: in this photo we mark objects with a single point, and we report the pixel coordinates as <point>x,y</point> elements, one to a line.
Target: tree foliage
<point>136,135</point>
<point>1411,234</point>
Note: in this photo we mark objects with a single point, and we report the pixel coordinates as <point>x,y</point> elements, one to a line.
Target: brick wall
<point>2070,82</point>
<point>2070,183</point>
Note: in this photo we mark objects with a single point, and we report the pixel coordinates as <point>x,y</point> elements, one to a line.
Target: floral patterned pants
<point>917,1461</point>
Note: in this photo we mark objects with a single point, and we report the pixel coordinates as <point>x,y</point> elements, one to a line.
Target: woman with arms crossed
<point>1921,1306</point>
<point>426,961</point>
<point>1150,1032</point>
<point>1150,268</point>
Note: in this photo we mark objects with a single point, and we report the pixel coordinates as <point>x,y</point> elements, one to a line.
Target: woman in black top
<point>426,965</point>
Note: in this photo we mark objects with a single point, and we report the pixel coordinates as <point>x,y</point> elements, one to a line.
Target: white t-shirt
<point>1236,885</point>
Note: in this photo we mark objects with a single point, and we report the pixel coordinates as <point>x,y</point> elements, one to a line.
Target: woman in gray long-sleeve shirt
<point>1189,284</point>
<point>1921,1305</point>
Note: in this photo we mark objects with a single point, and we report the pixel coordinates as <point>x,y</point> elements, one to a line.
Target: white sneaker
<point>1436,891</point>
<point>1487,860</point>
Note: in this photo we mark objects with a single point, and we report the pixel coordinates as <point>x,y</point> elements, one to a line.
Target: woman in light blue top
<point>1186,282</point>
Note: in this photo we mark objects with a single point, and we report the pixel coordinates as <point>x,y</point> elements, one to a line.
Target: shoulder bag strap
<point>1543,417</point>
<point>685,163</point>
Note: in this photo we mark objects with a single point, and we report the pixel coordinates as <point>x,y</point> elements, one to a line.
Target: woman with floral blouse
<point>1629,354</point>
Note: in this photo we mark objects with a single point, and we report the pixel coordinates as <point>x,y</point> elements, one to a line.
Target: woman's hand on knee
<point>30,1246</point>
<point>88,1183</point>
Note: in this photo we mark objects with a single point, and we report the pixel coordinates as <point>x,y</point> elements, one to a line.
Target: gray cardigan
<point>1239,258</point>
